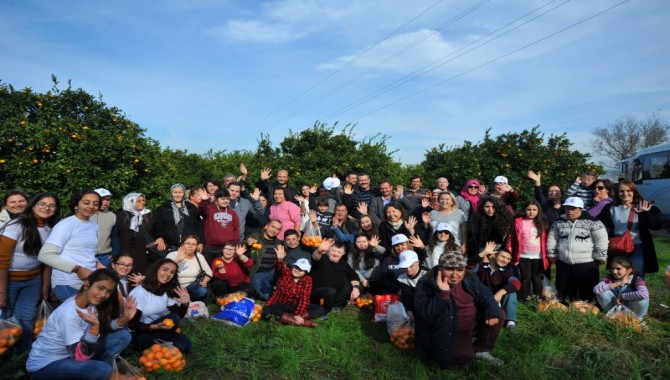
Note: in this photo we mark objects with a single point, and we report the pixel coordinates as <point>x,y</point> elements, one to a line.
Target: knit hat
<point>452,260</point>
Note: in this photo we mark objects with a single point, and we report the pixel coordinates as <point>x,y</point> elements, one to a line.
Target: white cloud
<point>256,31</point>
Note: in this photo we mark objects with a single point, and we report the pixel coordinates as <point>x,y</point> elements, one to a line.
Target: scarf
<point>473,199</point>
<point>130,205</point>
<point>176,210</point>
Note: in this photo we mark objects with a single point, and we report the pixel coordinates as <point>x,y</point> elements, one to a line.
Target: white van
<point>650,170</point>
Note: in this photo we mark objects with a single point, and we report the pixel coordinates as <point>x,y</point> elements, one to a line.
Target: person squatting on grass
<point>159,298</point>
<point>85,333</point>
<point>623,286</point>
<point>290,300</point>
<point>334,281</point>
<point>452,307</point>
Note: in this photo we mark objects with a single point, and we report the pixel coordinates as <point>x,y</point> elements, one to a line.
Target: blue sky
<point>209,74</point>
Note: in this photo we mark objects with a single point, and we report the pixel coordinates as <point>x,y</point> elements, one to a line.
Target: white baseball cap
<point>407,258</point>
<point>331,183</point>
<point>399,238</point>
<point>574,202</point>
<point>103,192</point>
<point>303,264</point>
<point>500,179</point>
<point>445,227</point>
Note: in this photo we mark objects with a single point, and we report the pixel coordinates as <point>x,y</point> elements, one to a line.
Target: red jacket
<point>235,271</point>
<point>512,243</point>
<point>214,218</point>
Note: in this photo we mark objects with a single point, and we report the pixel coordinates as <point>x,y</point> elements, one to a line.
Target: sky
<point>215,74</point>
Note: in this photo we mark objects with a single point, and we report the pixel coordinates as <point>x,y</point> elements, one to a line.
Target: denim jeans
<point>63,292</point>
<point>607,301</point>
<point>196,291</point>
<point>105,259</point>
<point>508,303</point>
<point>22,299</point>
<point>98,367</point>
<point>262,283</point>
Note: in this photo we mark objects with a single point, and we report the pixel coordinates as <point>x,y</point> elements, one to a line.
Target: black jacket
<point>167,229</point>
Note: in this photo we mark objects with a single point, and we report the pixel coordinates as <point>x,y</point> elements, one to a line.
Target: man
<point>243,206</point>
<point>503,191</point>
<point>341,221</point>
<point>578,244</point>
<point>264,258</point>
<point>350,180</point>
<point>442,184</point>
<point>452,307</point>
<point>415,193</point>
<point>268,188</point>
<point>108,236</point>
<point>334,281</point>
<point>294,251</point>
<point>230,178</point>
<point>387,196</point>
<point>354,197</point>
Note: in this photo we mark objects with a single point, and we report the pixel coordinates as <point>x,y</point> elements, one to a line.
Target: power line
<point>443,61</point>
<point>489,62</point>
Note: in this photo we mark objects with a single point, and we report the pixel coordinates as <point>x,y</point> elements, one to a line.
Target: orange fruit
<point>168,322</point>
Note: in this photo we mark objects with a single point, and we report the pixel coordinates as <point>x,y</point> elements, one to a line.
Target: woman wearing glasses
<point>448,212</point>
<point>470,195</point>
<point>601,197</point>
<point>21,274</point>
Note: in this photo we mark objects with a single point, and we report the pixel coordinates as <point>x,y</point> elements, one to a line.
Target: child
<point>83,335</point>
<point>495,273</point>
<point>364,259</point>
<point>231,270</point>
<point>160,298</point>
<point>623,287</point>
<point>442,240</point>
<point>528,244</point>
<point>323,216</point>
<point>123,265</point>
<point>584,188</point>
<point>290,300</point>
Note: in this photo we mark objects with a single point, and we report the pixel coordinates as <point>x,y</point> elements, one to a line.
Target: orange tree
<point>315,153</point>
<point>65,140</point>
<point>511,155</point>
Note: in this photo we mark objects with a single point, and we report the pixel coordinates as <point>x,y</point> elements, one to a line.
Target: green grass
<point>554,345</point>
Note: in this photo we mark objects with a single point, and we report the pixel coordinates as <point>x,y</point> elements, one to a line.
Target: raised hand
<point>202,194</point>
<point>325,245</point>
<point>536,177</point>
<point>129,308</point>
<point>243,169</point>
<point>362,208</point>
<point>374,241</point>
<point>416,242</point>
<point>312,216</point>
<point>313,189</point>
<point>410,223</point>
<point>578,179</point>
<point>425,202</point>
<point>299,198</point>
<point>442,282</point>
<point>266,173</point>
<point>280,251</point>
<point>181,254</point>
<point>399,191</point>
<point>256,194</point>
<point>182,295</point>
<point>643,206</point>
<point>90,316</point>
<point>135,279</point>
<point>240,249</point>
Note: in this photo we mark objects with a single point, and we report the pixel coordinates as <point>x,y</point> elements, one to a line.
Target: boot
<point>289,319</point>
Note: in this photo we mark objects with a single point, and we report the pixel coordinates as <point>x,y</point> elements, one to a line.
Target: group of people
<point>459,260</point>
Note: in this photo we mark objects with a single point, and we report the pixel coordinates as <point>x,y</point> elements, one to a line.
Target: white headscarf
<point>130,205</point>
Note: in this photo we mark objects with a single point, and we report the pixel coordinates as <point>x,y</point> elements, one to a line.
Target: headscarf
<point>473,199</point>
<point>175,209</point>
<point>130,205</point>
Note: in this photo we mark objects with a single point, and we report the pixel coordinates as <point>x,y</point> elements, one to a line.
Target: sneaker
<point>323,317</point>
<point>510,325</point>
<point>487,357</point>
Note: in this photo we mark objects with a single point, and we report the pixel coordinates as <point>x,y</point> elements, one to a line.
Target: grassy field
<point>552,345</point>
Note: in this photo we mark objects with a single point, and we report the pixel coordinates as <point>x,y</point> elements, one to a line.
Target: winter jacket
<point>167,229</point>
<point>436,315</point>
<point>576,242</point>
<point>513,239</point>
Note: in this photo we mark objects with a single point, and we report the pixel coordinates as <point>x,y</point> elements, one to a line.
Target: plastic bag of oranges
<point>43,313</point>
<point>623,316</point>
<point>163,355</point>
<point>10,333</point>
<point>122,370</point>
<point>312,236</point>
<point>403,337</point>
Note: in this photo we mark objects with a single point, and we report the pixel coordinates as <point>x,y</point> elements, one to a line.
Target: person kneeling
<point>290,300</point>
<point>452,307</point>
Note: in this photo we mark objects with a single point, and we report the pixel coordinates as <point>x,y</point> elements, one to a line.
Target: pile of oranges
<point>38,326</point>
<point>166,357</point>
<point>552,304</point>
<point>312,241</point>
<point>364,302</point>
<point>257,313</point>
<point>228,298</point>
<point>626,320</point>
<point>584,307</point>
<point>8,337</point>
<point>403,338</point>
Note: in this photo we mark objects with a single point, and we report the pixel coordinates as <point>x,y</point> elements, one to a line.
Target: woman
<point>231,270</point>
<point>601,197</point>
<point>441,241</point>
<point>395,224</point>
<point>285,211</point>
<point>161,306</point>
<point>211,187</point>
<point>365,226</point>
<point>448,212</point>
<point>552,204</point>
<point>646,217</point>
<point>22,279</point>
<point>194,271</point>
<point>84,334</point>
<point>365,259</point>
<point>15,203</point>
<point>136,224</point>
<point>70,248</point>
<point>177,218</point>
<point>490,222</point>
<point>471,193</point>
